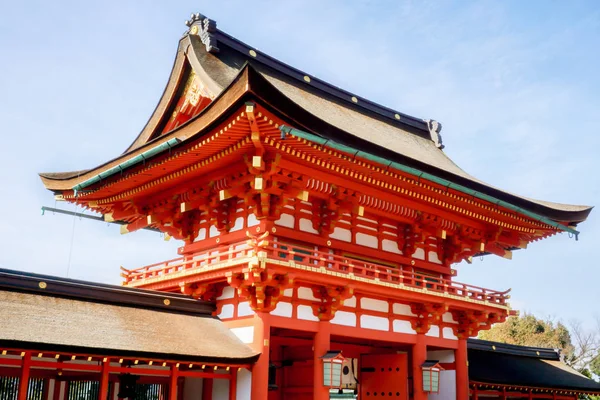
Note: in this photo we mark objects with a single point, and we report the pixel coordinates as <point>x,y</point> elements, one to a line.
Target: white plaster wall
<point>288,292</point>
<point>306,226</point>
<point>344,318</point>
<point>372,322</point>
<point>419,254</point>
<point>341,234</point>
<point>228,293</point>
<point>244,385</point>
<point>447,387</point>
<point>448,333</point>
<point>244,309</point>
<point>116,396</point>
<point>443,356</point>
<point>433,257</point>
<point>192,389</point>
<point>434,331</point>
<point>374,305</point>
<point>447,317</point>
<point>402,326</point>
<point>283,309</point>
<point>201,234</point>
<point>286,220</point>
<point>366,240</point>
<point>220,389</point>
<point>351,302</point>
<point>237,225</point>
<point>390,245</point>
<point>213,231</point>
<point>306,294</point>
<point>245,333</point>
<point>226,311</point>
<point>402,309</point>
<point>306,313</point>
<point>251,220</point>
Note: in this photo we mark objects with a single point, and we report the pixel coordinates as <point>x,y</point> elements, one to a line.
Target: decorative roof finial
<point>206,29</point>
<point>434,130</point>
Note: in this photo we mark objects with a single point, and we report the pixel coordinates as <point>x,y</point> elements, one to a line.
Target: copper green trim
<point>421,174</point>
<point>128,163</point>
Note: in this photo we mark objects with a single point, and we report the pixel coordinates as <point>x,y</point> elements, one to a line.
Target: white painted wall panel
<point>402,309</point>
<point>372,322</point>
<point>244,309</point>
<point>434,331</point>
<point>351,302</point>
<point>447,387</point>
<point>306,226</point>
<point>443,356</point>
<point>306,313</point>
<point>374,304</point>
<point>344,318</point>
<point>213,231</point>
<point>306,294</point>
<point>286,220</point>
<point>220,389</point>
<point>237,225</point>
<point>341,234</point>
<point>226,311</point>
<point>433,257</point>
<point>228,293</point>
<point>419,254</point>
<point>390,245</point>
<point>192,389</point>
<point>366,240</point>
<point>251,220</point>
<point>402,326</point>
<point>245,333</point>
<point>244,385</point>
<point>283,309</point>
<point>288,292</point>
<point>448,333</point>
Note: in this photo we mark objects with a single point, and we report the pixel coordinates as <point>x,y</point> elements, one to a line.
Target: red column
<point>260,370</point>
<point>462,370</point>
<point>173,382</point>
<point>24,378</point>
<point>419,355</point>
<point>207,388</point>
<point>103,393</point>
<point>320,347</point>
<point>233,384</point>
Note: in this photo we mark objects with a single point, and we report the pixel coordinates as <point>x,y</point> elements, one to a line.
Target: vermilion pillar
<point>24,377</point>
<point>419,355</point>
<point>103,393</point>
<point>462,371</point>
<point>320,347</point>
<point>260,370</point>
<point>173,382</point>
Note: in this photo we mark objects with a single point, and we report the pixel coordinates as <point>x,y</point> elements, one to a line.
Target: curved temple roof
<point>310,104</point>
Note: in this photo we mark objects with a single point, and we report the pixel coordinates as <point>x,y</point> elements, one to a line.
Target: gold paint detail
<point>329,243</point>
<point>194,30</point>
<point>258,229</point>
<point>109,217</point>
<point>42,285</point>
<point>218,240</point>
<point>256,161</point>
<point>443,234</point>
<point>266,342</point>
<point>354,99</point>
<point>397,116</point>
<point>273,229</point>
<point>258,183</point>
<point>306,78</point>
<point>361,211</point>
<point>412,262</point>
<point>166,302</point>
<point>252,53</point>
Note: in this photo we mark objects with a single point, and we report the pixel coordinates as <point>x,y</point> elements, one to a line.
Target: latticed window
<point>9,387</point>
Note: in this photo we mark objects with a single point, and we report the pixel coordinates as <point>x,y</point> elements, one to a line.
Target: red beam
<point>24,378</point>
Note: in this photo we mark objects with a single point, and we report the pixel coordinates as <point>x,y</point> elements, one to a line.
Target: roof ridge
<point>211,37</point>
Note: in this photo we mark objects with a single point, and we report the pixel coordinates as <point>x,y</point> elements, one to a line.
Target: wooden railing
<point>319,259</point>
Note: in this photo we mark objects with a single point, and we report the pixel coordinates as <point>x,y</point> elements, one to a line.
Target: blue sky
<point>515,84</point>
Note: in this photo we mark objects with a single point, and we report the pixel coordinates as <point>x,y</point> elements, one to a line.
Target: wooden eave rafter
<point>231,139</point>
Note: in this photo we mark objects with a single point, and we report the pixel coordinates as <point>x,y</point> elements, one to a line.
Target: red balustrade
<point>403,276</point>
